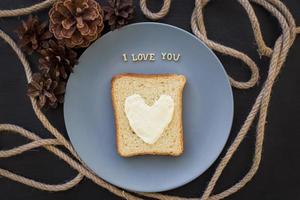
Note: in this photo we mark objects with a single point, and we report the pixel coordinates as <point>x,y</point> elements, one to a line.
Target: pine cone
<point>76,22</point>
<point>118,13</point>
<point>47,91</point>
<point>33,34</point>
<point>57,60</point>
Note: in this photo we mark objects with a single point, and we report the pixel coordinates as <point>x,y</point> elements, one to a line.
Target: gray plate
<point>207,106</point>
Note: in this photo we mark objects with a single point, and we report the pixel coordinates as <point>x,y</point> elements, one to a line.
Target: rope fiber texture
<point>277,56</point>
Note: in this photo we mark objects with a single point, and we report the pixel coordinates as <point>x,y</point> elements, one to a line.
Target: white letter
<point>176,58</point>
<point>134,59</point>
<point>125,57</point>
<point>152,57</point>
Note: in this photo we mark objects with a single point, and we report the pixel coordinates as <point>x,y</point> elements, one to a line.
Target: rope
<point>160,14</point>
<point>260,107</point>
<point>27,10</point>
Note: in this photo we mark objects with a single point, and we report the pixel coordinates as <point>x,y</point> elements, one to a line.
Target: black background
<point>278,177</point>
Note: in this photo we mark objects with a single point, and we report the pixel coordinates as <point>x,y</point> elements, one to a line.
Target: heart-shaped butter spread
<point>149,122</point>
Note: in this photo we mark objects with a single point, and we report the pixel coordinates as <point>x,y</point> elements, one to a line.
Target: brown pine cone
<point>76,22</point>
<point>57,60</point>
<point>47,91</point>
<point>33,34</point>
<point>118,13</point>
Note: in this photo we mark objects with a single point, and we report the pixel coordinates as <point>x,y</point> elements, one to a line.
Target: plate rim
<point>174,186</point>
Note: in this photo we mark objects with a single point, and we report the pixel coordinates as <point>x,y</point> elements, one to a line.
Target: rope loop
<point>155,16</point>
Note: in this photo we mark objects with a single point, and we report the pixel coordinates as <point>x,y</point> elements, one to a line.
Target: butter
<point>149,122</point>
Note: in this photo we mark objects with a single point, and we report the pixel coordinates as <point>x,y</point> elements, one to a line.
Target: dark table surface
<point>278,177</point>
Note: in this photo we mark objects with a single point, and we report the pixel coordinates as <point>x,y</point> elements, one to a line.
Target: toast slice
<point>150,88</point>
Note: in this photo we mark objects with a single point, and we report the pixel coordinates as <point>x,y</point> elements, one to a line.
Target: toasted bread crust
<point>134,75</point>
